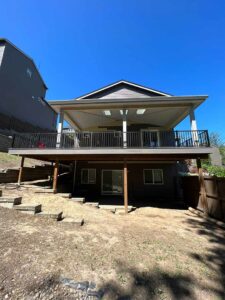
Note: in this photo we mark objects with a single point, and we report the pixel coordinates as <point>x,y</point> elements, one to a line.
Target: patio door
<point>112,182</point>
<point>150,138</point>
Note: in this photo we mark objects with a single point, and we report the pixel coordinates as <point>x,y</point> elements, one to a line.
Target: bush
<point>215,170</point>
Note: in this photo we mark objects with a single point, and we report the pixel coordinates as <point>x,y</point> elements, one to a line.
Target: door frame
<point>151,130</point>
<point>111,193</point>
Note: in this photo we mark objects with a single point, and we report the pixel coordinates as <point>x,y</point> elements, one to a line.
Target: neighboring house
<point>123,142</point>
<point>22,93</point>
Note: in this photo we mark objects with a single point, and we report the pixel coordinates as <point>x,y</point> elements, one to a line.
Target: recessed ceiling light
<point>141,111</point>
<point>107,112</point>
<point>124,111</point>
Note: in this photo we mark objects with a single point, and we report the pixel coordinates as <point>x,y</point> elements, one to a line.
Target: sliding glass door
<point>112,182</point>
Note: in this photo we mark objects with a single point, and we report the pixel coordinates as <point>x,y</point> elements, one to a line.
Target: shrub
<point>215,170</point>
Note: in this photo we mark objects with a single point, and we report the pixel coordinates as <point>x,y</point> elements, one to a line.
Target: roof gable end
<point>123,89</point>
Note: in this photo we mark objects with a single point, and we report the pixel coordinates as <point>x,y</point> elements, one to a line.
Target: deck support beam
<point>55,176</point>
<point>125,186</point>
<point>203,198</point>
<point>21,170</point>
<point>74,175</point>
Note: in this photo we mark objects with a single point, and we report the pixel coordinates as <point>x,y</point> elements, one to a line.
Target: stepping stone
<point>50,191</point>
<point>121,211</point>
<point>78,200</point>
<point>57,216</point>
<point>77,221</point>
<point>93,204</point>
<point>110,208</point>
<point>9,202</point>
<point>31,209</point>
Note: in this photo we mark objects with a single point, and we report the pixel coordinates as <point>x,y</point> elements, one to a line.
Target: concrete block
<point>57,216</point>
<point>10,202</point>
<point>29,208</point>
<point>77,221</point>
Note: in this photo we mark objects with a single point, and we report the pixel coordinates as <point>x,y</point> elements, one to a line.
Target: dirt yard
<point>150,253</point>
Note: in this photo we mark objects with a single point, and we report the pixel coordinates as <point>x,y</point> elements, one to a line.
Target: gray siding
<point>19,93</point>
<point>136,188</point>
<point>122,91</point>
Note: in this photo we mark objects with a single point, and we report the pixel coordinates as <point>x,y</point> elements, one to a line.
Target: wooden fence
<point>5,143</point>
<point>208,197</point>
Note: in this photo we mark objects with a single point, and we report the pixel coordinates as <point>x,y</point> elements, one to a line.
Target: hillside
<point>13,161</point>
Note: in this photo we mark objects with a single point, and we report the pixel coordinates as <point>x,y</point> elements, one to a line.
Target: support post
<point>60,129</point>
<point>21,170</point>
<point>55,177</point>
<point>194,127</point>
<point>202,186</point>
<point>124,128</point>
<point>125,187</point>
<point>74,175</point>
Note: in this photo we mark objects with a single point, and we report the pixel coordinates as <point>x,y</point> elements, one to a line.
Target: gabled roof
<point>4,40</point>
<point>126,83</point>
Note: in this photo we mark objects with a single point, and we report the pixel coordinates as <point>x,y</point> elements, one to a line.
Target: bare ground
<point>151,253</point>
<point>13,161</point>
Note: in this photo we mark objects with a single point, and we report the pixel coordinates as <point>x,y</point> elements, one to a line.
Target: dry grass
<point>13,161</point>
<point>151,253</point>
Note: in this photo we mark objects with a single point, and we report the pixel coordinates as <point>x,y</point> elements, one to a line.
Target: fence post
<point>21,170</point>
<point>202,186</point>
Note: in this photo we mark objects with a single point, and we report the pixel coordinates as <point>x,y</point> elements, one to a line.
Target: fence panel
<point>215,195</point>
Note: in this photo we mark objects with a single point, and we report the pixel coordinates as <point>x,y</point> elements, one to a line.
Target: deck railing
<point>113,139</point>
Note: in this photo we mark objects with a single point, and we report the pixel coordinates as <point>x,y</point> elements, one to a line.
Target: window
<point>29,72</point>
<point>153,176</point>
<point>88,176</point>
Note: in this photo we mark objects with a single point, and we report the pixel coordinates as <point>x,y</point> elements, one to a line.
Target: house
<point>23,107</point>
<point>122,142</point>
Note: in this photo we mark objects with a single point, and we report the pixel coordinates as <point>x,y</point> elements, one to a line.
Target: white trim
<point>87,169</point>
<point>125,82</point>
<point>110,193</point>
<point>161,170</point>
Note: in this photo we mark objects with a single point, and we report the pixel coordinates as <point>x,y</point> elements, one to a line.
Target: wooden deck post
<point>74,175</point>
<point>125,188</point>
<point>21,170</point>
<point>55,177</point>
<point>202,186</point>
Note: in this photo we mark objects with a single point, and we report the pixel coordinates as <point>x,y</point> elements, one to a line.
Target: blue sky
<point>176,46</point>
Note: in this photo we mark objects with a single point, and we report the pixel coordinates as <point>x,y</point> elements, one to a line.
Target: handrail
<point>113,139</point>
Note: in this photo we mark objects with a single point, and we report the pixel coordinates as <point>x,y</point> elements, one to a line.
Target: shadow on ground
<point>160,285</point>
<point>149,285</point>
<point>214,257</point>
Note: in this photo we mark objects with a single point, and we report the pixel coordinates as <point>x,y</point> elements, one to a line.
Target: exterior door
<point>112,182</point>
<point>150,138</point>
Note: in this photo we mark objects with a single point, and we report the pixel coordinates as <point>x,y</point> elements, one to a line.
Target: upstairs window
<point>88,176</point>
<point>29,73</point>
<point>153,176</point>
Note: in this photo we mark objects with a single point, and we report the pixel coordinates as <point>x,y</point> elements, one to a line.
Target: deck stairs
<point>32,209</point>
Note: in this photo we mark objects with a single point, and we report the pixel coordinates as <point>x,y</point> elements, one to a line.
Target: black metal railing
<point>113,139</point>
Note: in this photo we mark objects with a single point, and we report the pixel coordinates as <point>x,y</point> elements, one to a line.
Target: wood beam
<point>21,170</point>
<point>125,186</point>
<point>55,177</point>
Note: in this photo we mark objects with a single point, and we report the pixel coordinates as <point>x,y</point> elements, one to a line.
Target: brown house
<point>122,142</point>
